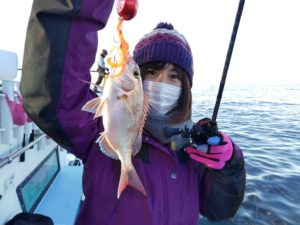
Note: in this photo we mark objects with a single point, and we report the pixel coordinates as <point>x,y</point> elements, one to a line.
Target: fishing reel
<point>205,131</point>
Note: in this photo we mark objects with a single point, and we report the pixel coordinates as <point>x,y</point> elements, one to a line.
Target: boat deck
<point>62,200</point>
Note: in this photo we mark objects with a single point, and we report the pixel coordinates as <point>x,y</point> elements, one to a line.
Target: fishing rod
<point>228,58</point>
<point>199,133</point>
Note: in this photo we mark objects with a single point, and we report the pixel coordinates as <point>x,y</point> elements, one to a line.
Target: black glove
<point>205,131</point>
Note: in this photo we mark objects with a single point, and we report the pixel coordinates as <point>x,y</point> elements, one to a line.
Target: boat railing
<point>11,156</point>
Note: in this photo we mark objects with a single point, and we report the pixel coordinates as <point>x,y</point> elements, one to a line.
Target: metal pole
<point>228,58</point>
<point>8,159</point>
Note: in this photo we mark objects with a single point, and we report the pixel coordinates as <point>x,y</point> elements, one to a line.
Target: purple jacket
<point>60,48</point>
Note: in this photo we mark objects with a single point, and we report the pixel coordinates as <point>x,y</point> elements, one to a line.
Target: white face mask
<point>161,96</point>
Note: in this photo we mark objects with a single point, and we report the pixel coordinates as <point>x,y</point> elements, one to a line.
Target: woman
<point>61,42</point>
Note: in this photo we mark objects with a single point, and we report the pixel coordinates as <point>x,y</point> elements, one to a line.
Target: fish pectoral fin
<point>124,98</point>
<point>99,109</point>
<point>106,147</point>
<point>129,177</point>
<point>92,105</point>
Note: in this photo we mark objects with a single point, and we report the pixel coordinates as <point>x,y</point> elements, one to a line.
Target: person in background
<point>180,185</point>
<point>102,70</point>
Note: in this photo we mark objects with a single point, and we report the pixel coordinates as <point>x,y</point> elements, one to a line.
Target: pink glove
<point>217,155</point>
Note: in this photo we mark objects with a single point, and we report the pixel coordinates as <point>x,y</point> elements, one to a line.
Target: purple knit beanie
<point>166,44</point>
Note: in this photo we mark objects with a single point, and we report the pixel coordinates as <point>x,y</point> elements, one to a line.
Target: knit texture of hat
<point>165,44</point>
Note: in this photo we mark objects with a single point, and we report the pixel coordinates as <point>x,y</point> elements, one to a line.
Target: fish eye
<point>136,74</point>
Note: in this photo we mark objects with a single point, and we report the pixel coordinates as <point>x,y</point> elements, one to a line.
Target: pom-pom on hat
<point>166,44</point>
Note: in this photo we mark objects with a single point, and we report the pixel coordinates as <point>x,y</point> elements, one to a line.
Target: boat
<point>36,174</point>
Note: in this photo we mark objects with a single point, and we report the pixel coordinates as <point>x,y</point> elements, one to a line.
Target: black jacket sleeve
<point>222,191</point>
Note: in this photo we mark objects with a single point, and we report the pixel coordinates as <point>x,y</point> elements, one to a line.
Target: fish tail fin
<point>129,177</point>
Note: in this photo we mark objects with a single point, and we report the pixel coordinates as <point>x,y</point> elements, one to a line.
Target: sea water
<point>264,120</point>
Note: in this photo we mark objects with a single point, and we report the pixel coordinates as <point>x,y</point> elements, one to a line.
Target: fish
<point>123,107</point>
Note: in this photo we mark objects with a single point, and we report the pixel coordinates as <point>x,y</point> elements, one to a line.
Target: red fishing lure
<point>127,8</point>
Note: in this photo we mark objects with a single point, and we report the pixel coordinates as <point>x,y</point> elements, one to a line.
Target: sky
<point>267,47</point>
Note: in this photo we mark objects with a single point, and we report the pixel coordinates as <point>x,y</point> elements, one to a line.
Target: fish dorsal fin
<point>94,106</point>
<point>105,146</point>
<point>138,141</point>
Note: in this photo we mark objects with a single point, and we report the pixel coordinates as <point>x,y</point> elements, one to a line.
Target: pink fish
<point>123,109</point>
